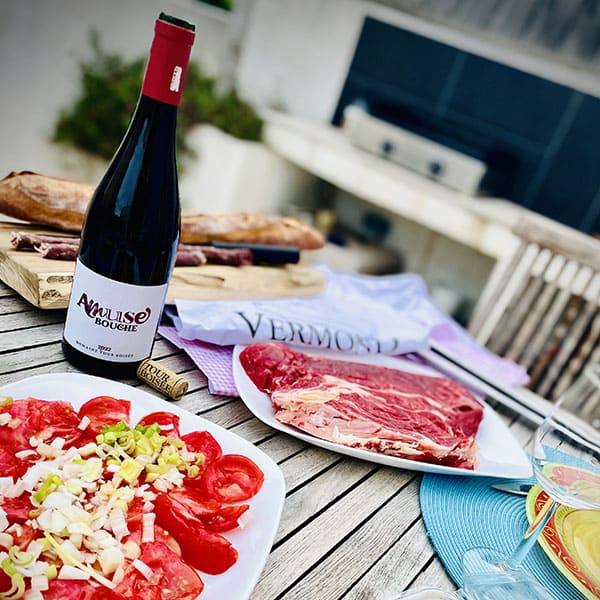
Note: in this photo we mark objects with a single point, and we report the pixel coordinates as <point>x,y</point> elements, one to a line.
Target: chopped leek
<point>51,484</point>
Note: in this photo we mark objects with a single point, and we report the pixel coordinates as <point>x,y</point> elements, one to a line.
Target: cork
<point>162,379</point>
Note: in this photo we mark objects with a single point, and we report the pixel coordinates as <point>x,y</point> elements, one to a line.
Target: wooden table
<point>350,529</point>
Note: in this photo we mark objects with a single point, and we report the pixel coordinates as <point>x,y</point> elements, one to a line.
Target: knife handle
<point>263,254</point>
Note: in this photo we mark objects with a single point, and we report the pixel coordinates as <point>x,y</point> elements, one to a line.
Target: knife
<point>513,487</point>
<point>264,254</point>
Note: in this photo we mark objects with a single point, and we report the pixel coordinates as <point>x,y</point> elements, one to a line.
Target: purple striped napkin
<point>215,362</point>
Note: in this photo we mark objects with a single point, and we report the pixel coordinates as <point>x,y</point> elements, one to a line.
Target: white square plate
<point>254,541</point>
<point>500,454</point>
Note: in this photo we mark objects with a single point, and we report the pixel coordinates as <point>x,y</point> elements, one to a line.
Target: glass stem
<point>532,534</point>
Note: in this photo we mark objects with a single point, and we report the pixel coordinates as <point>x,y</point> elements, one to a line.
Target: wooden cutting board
<point>46,283</point>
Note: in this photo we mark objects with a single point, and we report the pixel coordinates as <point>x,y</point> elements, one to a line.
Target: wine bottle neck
<point>167,62</point>
<point>153,117</point>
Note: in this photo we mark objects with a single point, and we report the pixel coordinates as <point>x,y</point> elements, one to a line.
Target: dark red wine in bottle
<point>131,228</point>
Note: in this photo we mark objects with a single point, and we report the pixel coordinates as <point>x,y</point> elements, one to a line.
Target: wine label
<point>111,320</point>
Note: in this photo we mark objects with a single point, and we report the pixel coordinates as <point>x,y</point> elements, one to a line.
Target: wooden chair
<point>541,306</point>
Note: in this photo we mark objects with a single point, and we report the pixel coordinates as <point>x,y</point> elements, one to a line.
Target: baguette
<point>61,204</point>
<point>249,228</point>
<point>43,200</point>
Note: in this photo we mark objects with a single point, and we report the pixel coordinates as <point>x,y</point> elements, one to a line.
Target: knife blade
<point>264,254</point>
<point>513,487</point>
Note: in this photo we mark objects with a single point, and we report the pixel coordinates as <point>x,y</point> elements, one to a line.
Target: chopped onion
<point>68,548</point>
<point>6,540</point>
<point>143,568</point>
<point>71,572</point>
<point>116,521</point>
<point>83,424</point>
<point>47,451</point>
<point>25,453</point>
<point>10,488</point>
<point>14,423</point>
<point>148,527</point>
<point>37,568</point>
<point>131,550</point>
<point>88,450</point>
<point>187,455</point>
<point>79,528</point>
<point>118,575</point>
<point>110,560</point>
<point>244,519</point>
<point>53,521</point>
<point>39,583</point>
<point>70,559</point>
<point>57,443</point>
<point>36,547</point>
<point>88,557</point>
<point>57,499</point>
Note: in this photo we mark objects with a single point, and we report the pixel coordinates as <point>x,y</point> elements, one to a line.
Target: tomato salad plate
<point>499,454</point>
<point>109,492</point>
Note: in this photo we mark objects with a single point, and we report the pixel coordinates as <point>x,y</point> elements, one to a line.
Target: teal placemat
<point>463,512</point>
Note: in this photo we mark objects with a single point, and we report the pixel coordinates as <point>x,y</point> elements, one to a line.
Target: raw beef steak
<point>414,416</point>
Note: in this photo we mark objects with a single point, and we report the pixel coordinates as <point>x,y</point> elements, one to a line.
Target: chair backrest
<point>541,306</point>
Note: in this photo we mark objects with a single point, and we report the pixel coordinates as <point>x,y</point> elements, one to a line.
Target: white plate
<point>500,454</point>
<point>254,541</point>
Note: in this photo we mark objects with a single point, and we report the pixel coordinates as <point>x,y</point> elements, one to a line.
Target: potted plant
<point>223,164</point>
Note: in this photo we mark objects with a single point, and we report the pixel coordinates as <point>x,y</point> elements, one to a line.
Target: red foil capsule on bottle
<point>167,63</point>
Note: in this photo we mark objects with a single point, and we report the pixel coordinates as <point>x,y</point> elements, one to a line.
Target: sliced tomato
<point>104,410</point>
<point>100,593</point>
<point>231,478</point>
<point>168,423</point>
<point>59,419</point>
<point>10,465</point>
<point>160,535</point>
<point>214,516</point>
<point>171,579</point>
<point>17,509</point>
<point>205,550</point>
<point>69,589</point>
<point>40,418</point>
<point>26,416</point>
<point>195,502</point>
<point>23,535</point>
<point>135,585</point>
<point>135,526</point>
<point>226,519</point>
<point>5,582</point>
<point>203,441</point>
<point>134,513</point>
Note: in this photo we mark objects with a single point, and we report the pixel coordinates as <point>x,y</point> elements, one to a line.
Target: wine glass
<point>565,454</point>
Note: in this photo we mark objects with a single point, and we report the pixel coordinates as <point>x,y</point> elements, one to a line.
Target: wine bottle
<point>131,228</point>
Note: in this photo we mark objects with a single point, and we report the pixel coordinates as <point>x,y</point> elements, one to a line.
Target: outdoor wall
<point>295,55</point>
